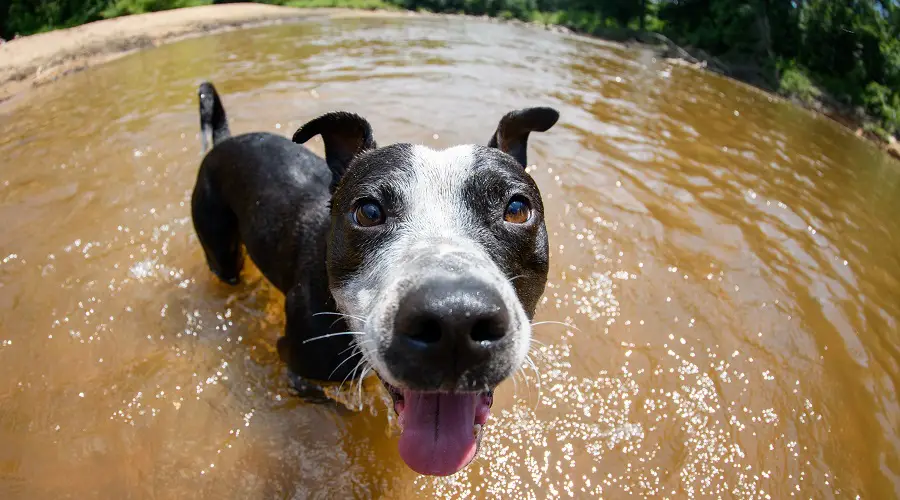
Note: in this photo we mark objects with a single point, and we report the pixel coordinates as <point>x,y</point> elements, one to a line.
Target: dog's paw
<point>307,390</point>
<point>312,393</point>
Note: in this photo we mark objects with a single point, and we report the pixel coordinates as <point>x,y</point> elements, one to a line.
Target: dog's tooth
<point>476,430</point>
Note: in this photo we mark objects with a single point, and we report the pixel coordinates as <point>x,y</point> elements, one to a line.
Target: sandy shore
<point>37,59</point>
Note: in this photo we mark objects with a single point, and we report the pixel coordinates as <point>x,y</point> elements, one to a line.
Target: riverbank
<point>38,59</point>
<point>801,91</point>
<point>805,95</point>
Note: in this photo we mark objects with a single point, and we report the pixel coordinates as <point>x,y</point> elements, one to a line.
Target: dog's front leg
<point>316,345</point>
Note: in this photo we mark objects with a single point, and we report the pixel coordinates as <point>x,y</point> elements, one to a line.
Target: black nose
<point>455,321</point>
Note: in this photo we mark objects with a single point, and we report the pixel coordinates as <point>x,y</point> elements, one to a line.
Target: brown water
<point>731,265</point>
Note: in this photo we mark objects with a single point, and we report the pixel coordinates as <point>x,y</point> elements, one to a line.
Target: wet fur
<point>448,208</point>
<point>291,210</point>
<point>266,193</point>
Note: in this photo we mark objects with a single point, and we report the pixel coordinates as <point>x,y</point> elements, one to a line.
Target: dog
<point>423,265</point>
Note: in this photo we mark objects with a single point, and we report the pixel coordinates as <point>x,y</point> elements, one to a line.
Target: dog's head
<point>440,258</point>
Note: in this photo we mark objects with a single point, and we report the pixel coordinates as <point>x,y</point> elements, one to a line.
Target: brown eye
<point>518,211</point>
<point>368,213</point>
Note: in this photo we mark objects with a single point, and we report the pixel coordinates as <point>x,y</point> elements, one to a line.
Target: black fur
<point>290,209</point>
<point>271,195</point>
<point>213,122</point>
<point>345,135</point>
<point>512,133</point>
<point>519,250</point>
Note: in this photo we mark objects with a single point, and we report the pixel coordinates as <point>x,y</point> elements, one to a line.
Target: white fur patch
<point>437,221</point>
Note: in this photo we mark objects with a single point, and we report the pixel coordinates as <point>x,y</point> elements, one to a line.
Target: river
<point>728,264</point>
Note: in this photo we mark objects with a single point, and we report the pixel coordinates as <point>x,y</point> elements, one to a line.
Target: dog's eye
<point>518,211</point>
<point>368,213</point>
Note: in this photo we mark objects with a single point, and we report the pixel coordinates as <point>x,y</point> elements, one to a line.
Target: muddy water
<point>730,267</point>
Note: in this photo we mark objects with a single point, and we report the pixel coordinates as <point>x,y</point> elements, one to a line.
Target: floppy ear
<point>345,134</point>
<point>511,135</point>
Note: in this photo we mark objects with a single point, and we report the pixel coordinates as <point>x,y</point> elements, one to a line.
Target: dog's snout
<point>452,315</point>
<point>448,329</point>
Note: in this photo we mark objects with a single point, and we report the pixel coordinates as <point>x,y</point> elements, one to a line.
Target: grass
<point>128,7</point>
<point>795,83</point>
<point>346,4</point>
<point>883,104</point>
<point>877,131</point>
<point>584,22</point>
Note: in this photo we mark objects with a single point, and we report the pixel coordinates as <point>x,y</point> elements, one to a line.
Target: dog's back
<point>260,191</point>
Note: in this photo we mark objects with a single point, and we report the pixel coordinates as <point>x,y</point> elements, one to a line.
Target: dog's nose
<point>452,320</point>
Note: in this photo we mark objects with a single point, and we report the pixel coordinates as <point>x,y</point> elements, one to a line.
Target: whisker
<point>514,278</point>
<point>538,384</point>
<point>357,344</point>
<point>535,342</point>
<point>360,384</point>
<point>543,357</point>
<point>567,325</point>
<point>525,380</point>
<point>320,337</point>
<point>348,358</point>
<point>352,374</point>
<point>341,315</point>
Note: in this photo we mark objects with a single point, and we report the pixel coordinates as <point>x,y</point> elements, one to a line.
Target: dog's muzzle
<point>451,333</point>
<point>454,340</point>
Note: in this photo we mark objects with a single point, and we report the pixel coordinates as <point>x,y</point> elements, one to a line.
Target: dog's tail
<point>213,122</point>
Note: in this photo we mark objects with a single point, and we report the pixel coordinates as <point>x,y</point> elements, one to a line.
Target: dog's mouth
<point>440,430</point>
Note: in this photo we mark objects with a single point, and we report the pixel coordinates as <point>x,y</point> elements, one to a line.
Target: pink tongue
<point>437,434</point>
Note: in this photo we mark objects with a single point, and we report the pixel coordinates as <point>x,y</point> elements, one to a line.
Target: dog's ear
<point>511,135</point>
<point>345,134</point>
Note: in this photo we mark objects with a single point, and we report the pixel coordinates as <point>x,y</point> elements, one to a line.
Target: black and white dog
<point>432,261</point>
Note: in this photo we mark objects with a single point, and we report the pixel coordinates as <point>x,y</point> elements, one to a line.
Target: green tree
<point>29,16</point>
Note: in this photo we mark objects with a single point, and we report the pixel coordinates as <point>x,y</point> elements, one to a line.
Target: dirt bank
<point>37,59</point>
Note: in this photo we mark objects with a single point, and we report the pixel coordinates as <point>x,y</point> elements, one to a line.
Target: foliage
<point>883,105</point>
<point>519,9</point>
<point>847,48</point>
<point>348,4</point>
<point>578,20</point>
<point>794,82</point>
<point>25,17</point>
<point>125,7</point>
<point>32,16</point>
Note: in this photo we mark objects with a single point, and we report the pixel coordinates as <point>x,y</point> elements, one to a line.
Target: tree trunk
<point>643,14</point>
<point>765,30</point>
